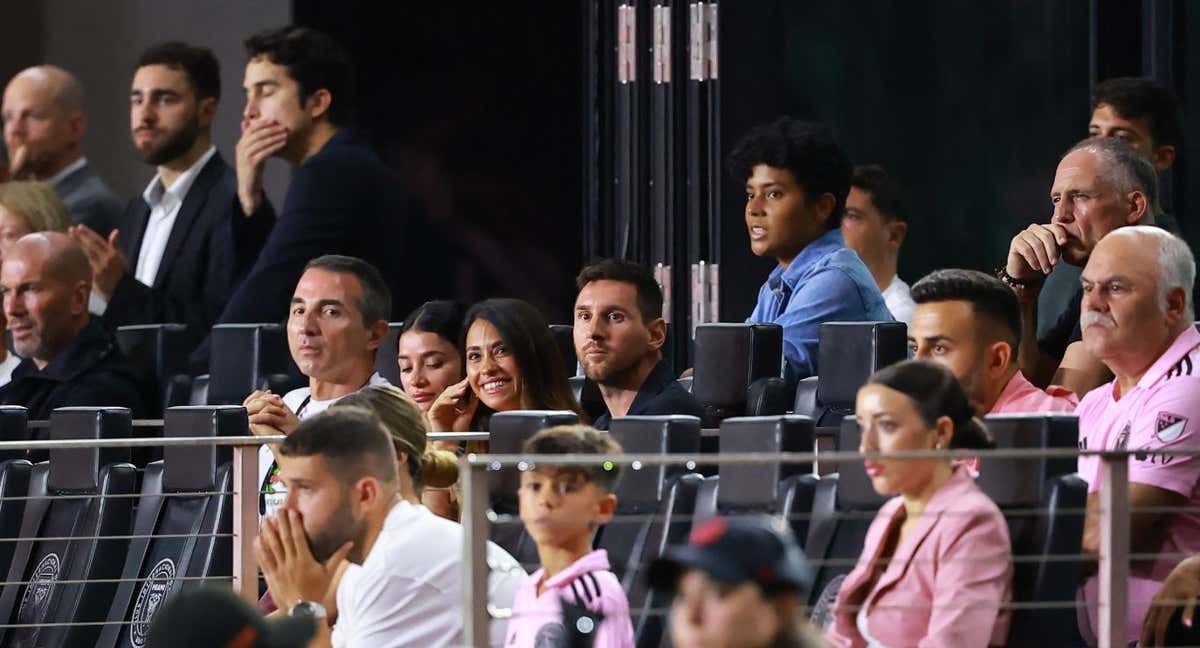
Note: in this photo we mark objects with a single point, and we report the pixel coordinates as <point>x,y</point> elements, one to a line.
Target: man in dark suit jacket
<point>44,125</point>
<point>342,199</point>
<point>173,258</point>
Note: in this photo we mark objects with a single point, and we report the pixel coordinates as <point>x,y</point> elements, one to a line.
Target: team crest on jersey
<point>41,583</point>
<point>156,587</point>
<point>1122,438</point>
<point>1169,427</point>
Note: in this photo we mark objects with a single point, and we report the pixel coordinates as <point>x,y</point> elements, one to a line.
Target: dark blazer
<point>200,266</point>
<point>90,372</point>
<point>89,200</point>
<point>342,200</point>
<point>659,395</point>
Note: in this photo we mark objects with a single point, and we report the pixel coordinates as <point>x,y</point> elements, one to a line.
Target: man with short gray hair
<point>44,124</point>
<point>1101,184</point>
<point>70,359</point>
<point>1137,319</point>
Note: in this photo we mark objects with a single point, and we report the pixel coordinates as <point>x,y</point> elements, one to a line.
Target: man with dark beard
<point>619,334</point>
<point>174,256</point>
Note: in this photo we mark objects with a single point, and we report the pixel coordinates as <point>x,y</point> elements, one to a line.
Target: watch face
<point>308,609</point>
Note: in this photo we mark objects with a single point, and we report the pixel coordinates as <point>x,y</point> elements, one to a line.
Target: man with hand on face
<point>43,131</point>
<point>403,585</point>
<point>619,334</point>
<point>337,320</point>
<point>341,200</point>
<point>69,358</point>
<point>175,258</point>
<point>796,179</point>
<point>1101,184</point>
<point>1137,319</point>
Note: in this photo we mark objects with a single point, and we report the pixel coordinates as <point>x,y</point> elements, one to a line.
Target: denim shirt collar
<point>783,280</point>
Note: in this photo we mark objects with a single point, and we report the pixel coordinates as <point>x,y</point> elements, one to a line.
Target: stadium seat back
<point>243,356</point>
<point>564,339</point>
<point>849,352</point>
<point>159,352</point>
<point>673,524</point>
<point>188,494</point>
<point>386,362</point>
<point>729,358</point>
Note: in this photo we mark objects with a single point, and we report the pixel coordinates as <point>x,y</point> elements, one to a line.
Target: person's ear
<point>897,231</point>
<point>999,357</point>
<point>376,334</point>
<point>79,297</point>
<point>1176,307</point>
<point>1138,207</point>
<point>606,506</point>
<point>1163,157</point>
<point>77,124</point>
<point>824,206</point>
<point>658,333</point>
<point>206,111</point>
<point>943,431</point>
<point>318,103</point>
<point>366,492</point>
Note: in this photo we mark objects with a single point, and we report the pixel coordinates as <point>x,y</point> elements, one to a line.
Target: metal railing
<point>1114,517</point>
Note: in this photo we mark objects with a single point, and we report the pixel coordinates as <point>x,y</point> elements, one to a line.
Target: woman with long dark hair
<point>512,364</point>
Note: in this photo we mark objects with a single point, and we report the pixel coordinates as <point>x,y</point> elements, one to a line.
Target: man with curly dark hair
<point>797,178</point>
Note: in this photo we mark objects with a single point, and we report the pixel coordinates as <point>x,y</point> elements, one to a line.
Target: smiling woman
<point>512,363</point>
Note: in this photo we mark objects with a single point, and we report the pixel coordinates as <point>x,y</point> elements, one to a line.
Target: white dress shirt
<point>164,203</point>
<point>6,368</point>
<point>408,590</point>
<point>899,300</point>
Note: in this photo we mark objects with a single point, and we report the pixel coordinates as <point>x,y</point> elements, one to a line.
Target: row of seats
<point>737,368</point>
<point>829,514</point>
<point>91,545</point>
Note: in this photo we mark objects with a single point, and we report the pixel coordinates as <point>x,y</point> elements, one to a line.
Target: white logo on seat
<point>41,583</point>
<point>156,587</point>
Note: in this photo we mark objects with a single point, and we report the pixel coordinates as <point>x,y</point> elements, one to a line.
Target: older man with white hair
<point>1136,317</point>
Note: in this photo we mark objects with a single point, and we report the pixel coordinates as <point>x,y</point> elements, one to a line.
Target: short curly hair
<point>1135,98</point>
<point>807,149</point>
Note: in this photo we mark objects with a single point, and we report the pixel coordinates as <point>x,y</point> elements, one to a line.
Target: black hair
<point>887,194</point>
<point>1135,98</point>
<point>572,440</point>
<point>988,296</point>
<point>441,317</point>
<point>649,294</point>
<point>528,338</point>
<point>376,301</point>
<point>198,63</point>
<point>314,61</point>
<point>351,439</point>
<point>935,393</point>
<point>808,150</point>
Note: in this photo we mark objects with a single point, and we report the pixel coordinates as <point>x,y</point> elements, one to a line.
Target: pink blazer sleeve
<point>974,578</point>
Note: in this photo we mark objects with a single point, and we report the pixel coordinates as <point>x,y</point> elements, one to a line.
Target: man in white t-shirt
<point>403,586</point>
<point>338,318</point>
<point>875,225</point>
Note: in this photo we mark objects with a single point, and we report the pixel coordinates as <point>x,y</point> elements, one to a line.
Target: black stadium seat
<point>1049,487</point>
<point>89,504</point>
<point>631,543</point>
<point>14,426</point>
<point>730,358</point>
<point>848,353</point>
<point>508,432</point>
<point>385,356</point>
<point>159,352</point>
<point>246,357</point>
<point>647,606</point>
<point>844,505</point>
<point>153,566</point>
<point>14,486</point>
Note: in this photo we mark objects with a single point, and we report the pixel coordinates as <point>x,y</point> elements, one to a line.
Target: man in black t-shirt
<point>619,334</point>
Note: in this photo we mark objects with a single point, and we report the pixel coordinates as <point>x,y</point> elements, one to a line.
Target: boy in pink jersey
<point>562,507</point>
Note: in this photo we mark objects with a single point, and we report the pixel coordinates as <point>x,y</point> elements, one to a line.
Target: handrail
<point>146,442</point>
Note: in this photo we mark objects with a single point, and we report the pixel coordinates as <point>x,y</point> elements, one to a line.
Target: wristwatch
<point>310,609</point>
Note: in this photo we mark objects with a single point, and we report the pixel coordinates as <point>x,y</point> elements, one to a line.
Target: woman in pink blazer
<point>936,567</point>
